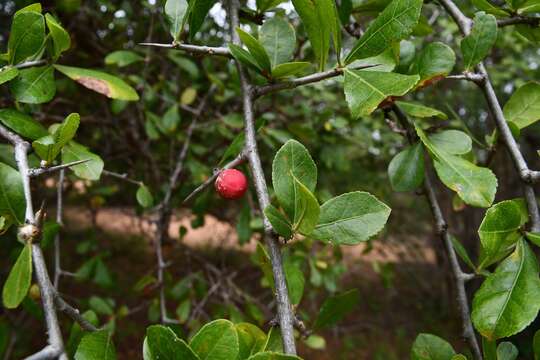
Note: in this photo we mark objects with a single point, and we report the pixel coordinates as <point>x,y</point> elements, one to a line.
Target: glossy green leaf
<point>34,85</point>
<point>453,142</point>
<point>318,18</point>
<point>8,73</point>
<point>279,221</point>
<point>256,50</point>
<point>462,252</point>
<point>101,82</point>
<point>523,107</point>
<point>76,333</point>
<point>507,351</point>
<point>487,6</point>
<point>278,38</point>
<point>393,24</point>
<point>508,300</point>
<point>289,69</point>
<point>12,200</point>
<point>27,36</point>
<point>90,170</point>
<point>499,230</point>
<point>198,9</point>
<point>217,340</point>
<point>22,124</point>
<point>250,338</point>
<point>477,45</point>
<point>431,347</point>
<point>385,62</point>
<point>420,111</point>
<point>530,6</point>
<point>336,307</point>
<point>48,147</point>
<point>60,37</point>
<point>176,12</point>
<point>475,185</point>
<point>19,279</point>
<point>273,341</point>
<point>533,237</point>
<point>245,57</point>
<point>295,282</point>
<point>306,209</point>
<point>351,218</point>
<point>292,161</point>
<point>162,343</point>
<point>123,58</point>
<point>144,196</point>
<point>433,62</point>
<point>96,345</point>
<point>365,90</point>
<point>459,357</point>
<point>268,355</point>
<point>406,170</point>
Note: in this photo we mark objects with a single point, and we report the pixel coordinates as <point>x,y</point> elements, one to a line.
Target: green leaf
<point>365,90</point>
<point>243,228</point>
<point>292,161</point>
<point>267,355</point>
<point>393,24</point>
<point>273,341</point>
<point>453,142</point>
<point>34,85</point>
<point>523,107</point>
<point>295,282</point>
<point>8,73</point>
<point>462,252</point>
<point>170,120</point>
<point>431,347</point>
<point>336,307</point>
<point>488,7</point>
<point>90,170</point>
<point>289,69</point>
<point>406,170</point>
<point>533,237</point>
<point>101,82</point>
<point>96,345</point>
<point>499,230</point>
<point>175,12</point>
<point>198,9</point>
<point>420,111</point>
<point>12,200</point>
<point>27,36</point>
<point>60,37</point>
<point>216,340</point>
<point>306,209</point>
<point>256,50</point>
<point>163,343</point>
<point>144,196</point>
<point>507,351</point>
<point>530,6</point>
<point>250,338</point>
<point>123,58</point>
<point>536,345</point>
<point>77,332</point>
<point>278,39</point>
<point>22,124</point>
<point>489,348</point>
<point>435,61</point>
<point>245,58</point>
<point>49,146</point>
<point>477,45</point>
<point>279,222</point>
<point>318,20</point>
<point>19,279</point>
<point>351,218</point>
<point>385,62</point>
<point>507,302</point>
<point>475,185</point>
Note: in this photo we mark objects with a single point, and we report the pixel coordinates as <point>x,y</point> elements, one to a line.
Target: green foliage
<point>96,345</point>
<point>477,45</point>
<point>162,343</point>
<point>431,347</point>
<point>175,12</point>
<point>278,38</point>
<point>123,58</point>
<point>144,196</point>
<point>34,85</point>
<point>406,170</point>
<point>336,307</point>
<point>434,61</point>
<point>522,108</point>
<point>91,169</point>
<point>19,279</point>
<point>216,340</point>
<point>27,36</point>
<point>12,202</point>
<point>22,124</point>
<point>61,40</point>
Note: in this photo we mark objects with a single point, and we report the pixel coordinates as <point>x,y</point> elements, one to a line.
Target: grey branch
<point>32,63</point>
<point>476,78</point>
<point>527,20</point>
<point>235,162</point>
<point>286,318</point>
<point>48,352</point>
<point>59,220</point>
<point>73,313</point>
<point>43,170</point>
<point>442,230</point>
<point>193,49</point>
<point>526,175</point>
<point>123,177</point>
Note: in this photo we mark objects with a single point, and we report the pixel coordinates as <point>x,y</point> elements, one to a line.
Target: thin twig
<point>44,170</point>
<point>32,63</point>
<point>286,318</point>
<point>59,211</point>
<point>194,49</point>
<point>235,162</point>
<point>73,313</point>
<point>526,175</point>
<point>520,19</point>
<point>121,177</point>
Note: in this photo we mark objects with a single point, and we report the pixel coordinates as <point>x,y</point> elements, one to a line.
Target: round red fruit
<point>231,184</point>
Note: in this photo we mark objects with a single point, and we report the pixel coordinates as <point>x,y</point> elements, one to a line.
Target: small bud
<point>34,293</point>
<point>43,164</point>
<point>28,233</point>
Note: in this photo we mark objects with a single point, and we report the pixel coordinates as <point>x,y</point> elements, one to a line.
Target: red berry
<point>231,184</point>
